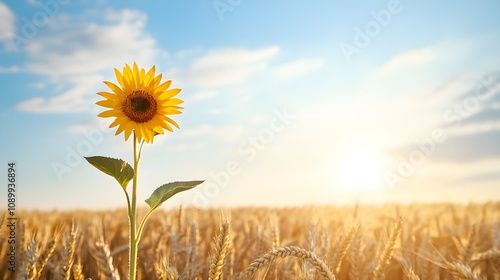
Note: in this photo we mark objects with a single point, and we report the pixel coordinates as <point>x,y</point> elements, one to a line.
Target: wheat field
<point>432,241</point>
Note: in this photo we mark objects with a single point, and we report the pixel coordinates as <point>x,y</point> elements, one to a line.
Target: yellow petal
<point>128,76</point>
<point>150,76</point>
<point>157,80</point>
<point>173,102</point>
<point>158,130</point>
<point>172,122</point>
<point>107,114</point>
<point>114,87</point>
<point>169,111</point>
<point>107,95</point>
<point>163,87</point>
<point>127,133</point>
<point>120,79</point>
<point>107,103</point>
<point>136,76</point>
<point>170,93</point>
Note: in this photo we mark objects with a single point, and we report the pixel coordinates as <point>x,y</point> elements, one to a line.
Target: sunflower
<point>140,103</point>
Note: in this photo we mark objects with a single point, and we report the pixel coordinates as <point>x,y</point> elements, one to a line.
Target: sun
<point>360,170</point>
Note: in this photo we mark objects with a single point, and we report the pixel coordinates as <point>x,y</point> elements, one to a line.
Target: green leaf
<point>116,168</point>
<point>166,191</point>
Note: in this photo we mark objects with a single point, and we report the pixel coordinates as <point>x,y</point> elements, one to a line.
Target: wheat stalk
<point>78,271</point>
<point>220,251</point>
<point>355,259</point>
<point>455,268</point>
<point>487,255</point>
<point>286,251</point>
<point>385,257</point>
<point>30,258</point>
<point>460,270</point>
<point>276,236</point>
<point>407,268</point>
<point>466,252</point>
<point>104,259</point>
<point>342,248</point>
<point>68,255</point>
<point>47,253</point>
<point>165,271</point>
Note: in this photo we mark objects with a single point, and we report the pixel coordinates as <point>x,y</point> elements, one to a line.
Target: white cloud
<point>76,46</point>
<point>225,132</point>
<point>39,85</point>
<point>11,69</point>
<point>94,123</point>
<point>74,100</point>
<point>296,68</point>
<point>227,67</point>
<point>6,22</point>
<point>408,59</point>
<point>471,129</point>
<point>185,147</point>
<point>77,54</point>
<point>204,95</point>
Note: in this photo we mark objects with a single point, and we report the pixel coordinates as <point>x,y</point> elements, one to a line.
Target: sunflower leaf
<point>166,191</point>
<point>116,168</point>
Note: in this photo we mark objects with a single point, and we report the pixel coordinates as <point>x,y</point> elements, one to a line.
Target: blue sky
<point>286,102</point>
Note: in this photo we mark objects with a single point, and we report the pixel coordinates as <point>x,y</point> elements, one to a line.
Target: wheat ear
<point>466,252</point>
<point>407,268</point>
<point>342,248</point>
<point>47,253</point>
<point>78,271</point>
<point>275,231</point>
<point>220,251</point>
<point>68,255</point>
<point>30,261</point>
<point>164,270</point>
<point>286,251</point>
<point>385,257</point>
<point>455,268</point>
<point>487,255</point>
<point>460,270</point>
<point>104,259</point>
<point>355,259</point>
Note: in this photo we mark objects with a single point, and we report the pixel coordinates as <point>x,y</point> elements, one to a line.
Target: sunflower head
<point>140,103</point>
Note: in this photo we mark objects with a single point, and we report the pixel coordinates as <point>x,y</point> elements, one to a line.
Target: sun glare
<point>358,171</point>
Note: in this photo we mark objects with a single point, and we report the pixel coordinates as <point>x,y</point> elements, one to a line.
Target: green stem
<point>132,216</point>
<point>143,223</point>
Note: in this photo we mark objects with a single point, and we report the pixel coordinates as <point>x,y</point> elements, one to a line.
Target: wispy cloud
<point>408,59</point>
<point>76,99</point>
<point>296,68</point>
<point>11,69</point>
<point>470,123</point>
<point>224,132</point>
<point>95,123</point>
<point>204,95</point>
<point>227,66</point>
<point>7,26</point>
<point>76,54</point>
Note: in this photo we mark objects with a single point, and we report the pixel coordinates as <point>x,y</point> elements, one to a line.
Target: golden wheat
<point>437,241</point>
<point>286,251</point>
<point>220,251</point>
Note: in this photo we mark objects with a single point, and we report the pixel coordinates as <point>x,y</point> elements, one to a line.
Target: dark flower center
<point>140,106</point>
